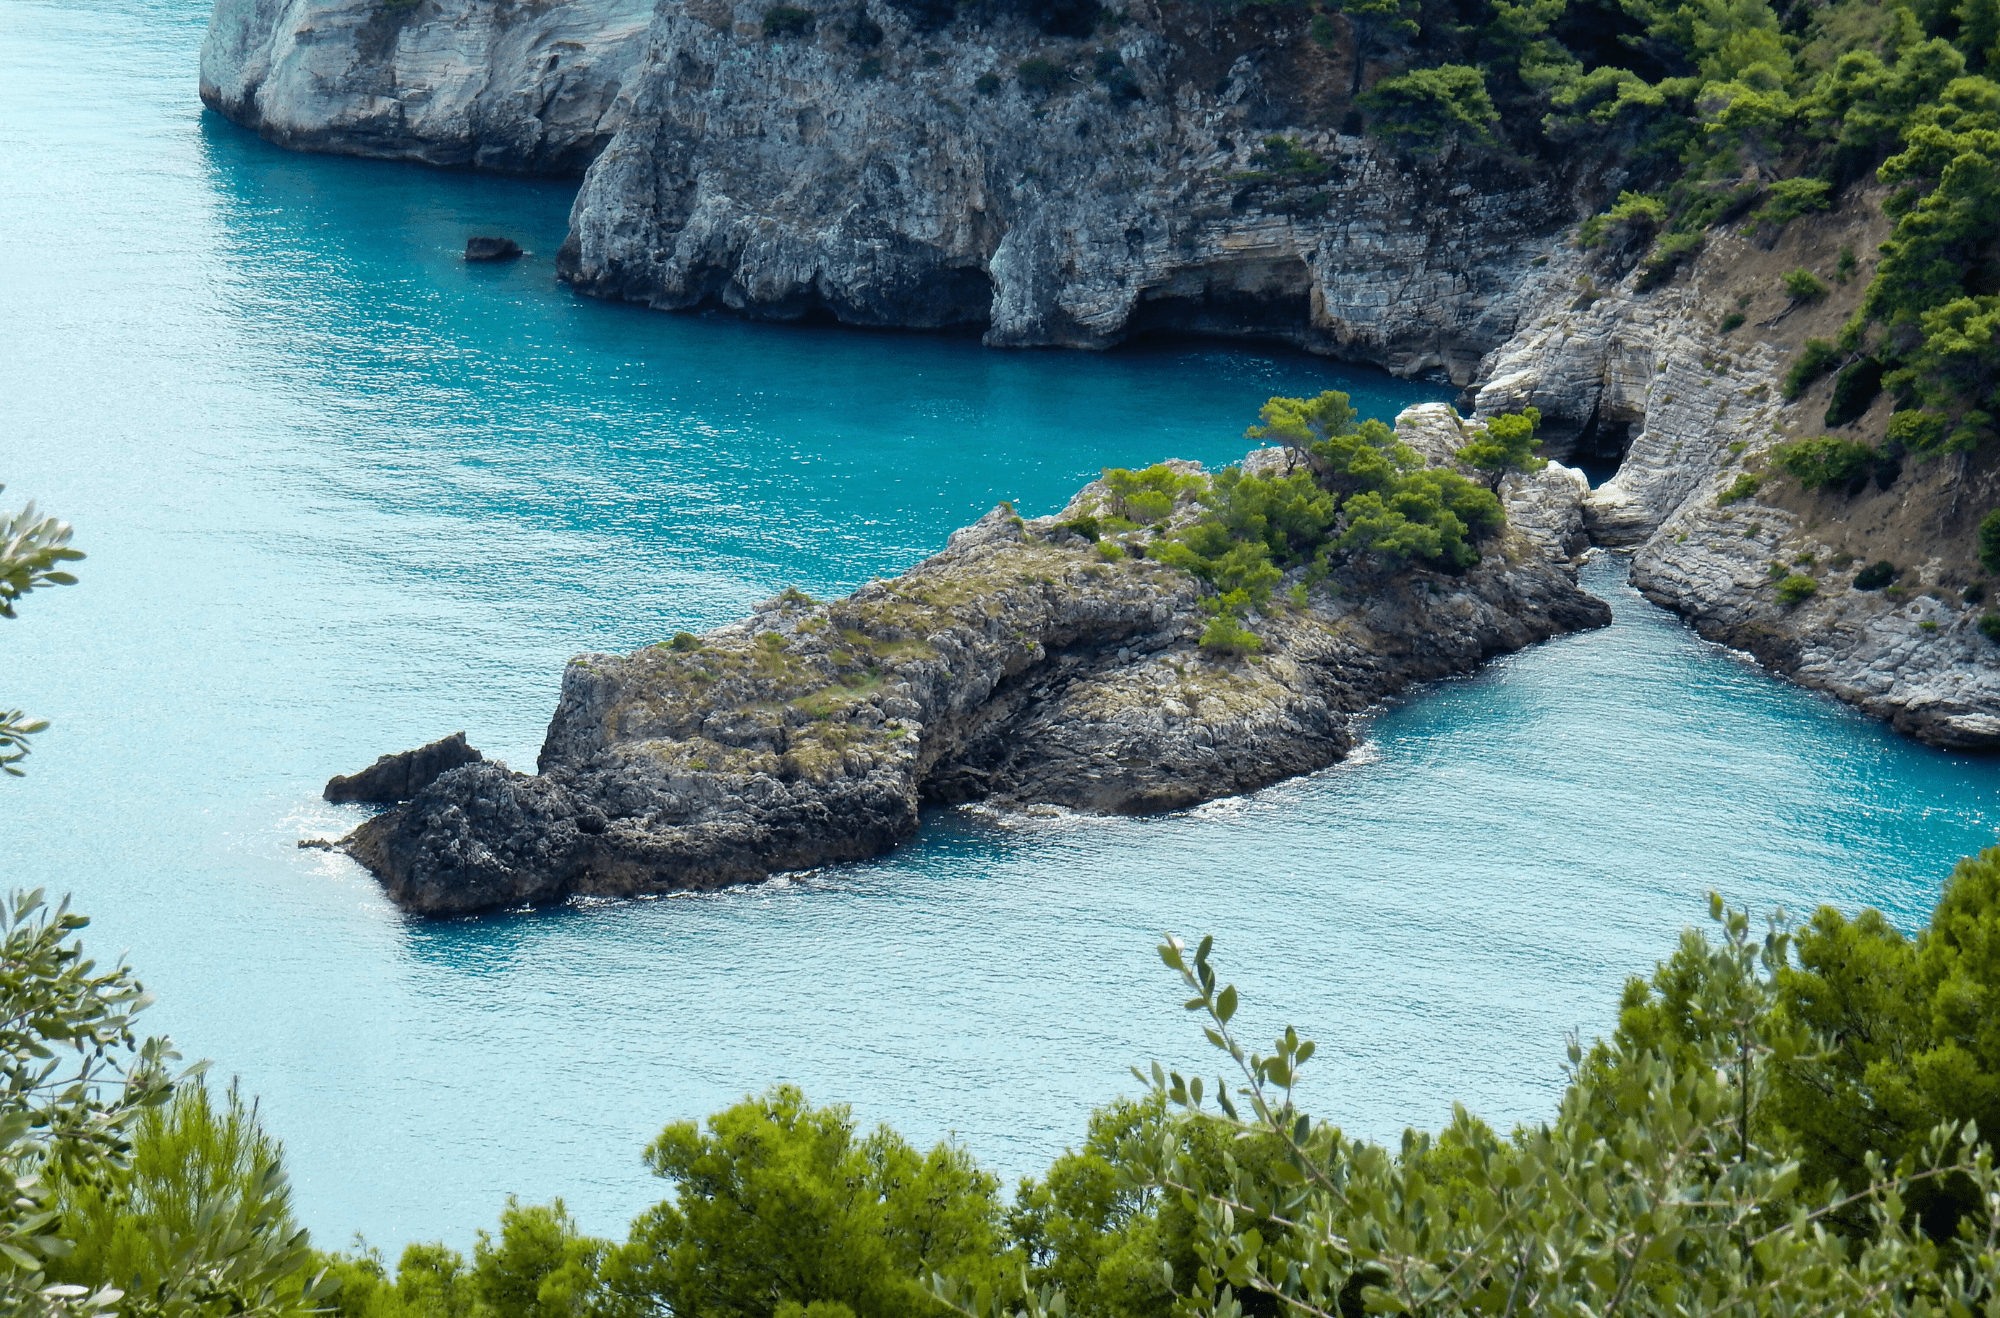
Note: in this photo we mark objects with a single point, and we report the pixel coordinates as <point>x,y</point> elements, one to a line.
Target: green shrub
<point>1989,626</point>
<point>1989,541</point>
<point>1853,390</point>
<point>1827,461</point>
<point>684,642</point>
<point>1796,588</point>
<point>1803,285</point>
<point>1148,496</point>
<point>1743,487</point>
<point>1086,527</point>
<point>1039,73</point>
<point>1666,257</point>
<point>1974,593</point>
<point>1814,360</point>
<point>1110,551</point>
<point>1732,322</point>
<point>1848,265</point>
<point>1917,431</point>
<point>1509,444</point>
<point>1225,635</point>
<point>788,21</point>
<point>1424,110</point>
<point>986,84</point>
<point>1289,157</point>
<point>1875,576</point>
<point>1791,198</point>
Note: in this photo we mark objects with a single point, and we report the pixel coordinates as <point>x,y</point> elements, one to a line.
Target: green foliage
<point>1149,495</point>
<point>33,549</point>
<point>1039,73</point>
<point>1509,444</point>
<point>1827,462</point>
<point>1802,285</point>
<point>1875,576</point>
<point>684,642</point>
<point>1917,430</point>
<point>1424,110</point>
<point>1352,494</point>
<point>1989,626</point>
<point>1732,322</point>
<point>1225,634</point>
<point>1287,157</point>
<point>1791,198</point>
<point>1796,589</point>
<point>986,84</point>
<point>1658,1186</point>
<point>1814,360</point>
<point>787,21</point>
<point>780,1202</point>
<point>1989,541</point>
<point>197,1221</point>
<point>1854,389</point>
<point>1740,489</point>
<point>73,1075</point>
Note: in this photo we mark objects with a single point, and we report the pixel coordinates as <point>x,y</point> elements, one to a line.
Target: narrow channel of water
<point>343,493</point>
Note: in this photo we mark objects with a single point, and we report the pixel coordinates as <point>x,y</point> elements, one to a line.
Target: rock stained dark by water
<point>1016,667</point>
<point>394,778</point>
<point>491,249</point>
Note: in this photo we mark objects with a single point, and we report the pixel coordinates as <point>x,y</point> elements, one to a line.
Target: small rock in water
<point>396,778</point>
<point>491,249</point>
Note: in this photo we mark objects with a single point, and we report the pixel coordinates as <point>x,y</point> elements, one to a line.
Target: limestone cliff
<point>1020,666</point>
<point>866,164</point>
<point>527,88</point>
<point>1654,383</point>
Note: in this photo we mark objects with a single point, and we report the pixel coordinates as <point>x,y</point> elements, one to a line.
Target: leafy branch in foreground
<point>1656,1189</point>
<point>32,549</point>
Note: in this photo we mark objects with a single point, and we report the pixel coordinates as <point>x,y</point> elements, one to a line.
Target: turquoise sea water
<point>342,494</point>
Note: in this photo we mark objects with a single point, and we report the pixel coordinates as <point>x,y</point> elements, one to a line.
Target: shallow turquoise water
<point>343,493</point>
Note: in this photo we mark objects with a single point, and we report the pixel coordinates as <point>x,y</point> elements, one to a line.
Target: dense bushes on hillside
<point>1753,111</point>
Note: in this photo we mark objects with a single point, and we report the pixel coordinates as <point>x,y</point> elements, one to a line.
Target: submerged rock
<point>1017,667</point>
<point>394,778</point>
<point>491,249</point>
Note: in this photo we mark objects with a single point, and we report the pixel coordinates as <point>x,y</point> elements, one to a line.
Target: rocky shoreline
<point>1020,666</point>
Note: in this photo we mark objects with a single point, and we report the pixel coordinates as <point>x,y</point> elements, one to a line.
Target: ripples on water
<point>343,493</point>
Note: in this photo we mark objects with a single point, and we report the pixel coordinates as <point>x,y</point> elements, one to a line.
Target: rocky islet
<point>1022,666</point>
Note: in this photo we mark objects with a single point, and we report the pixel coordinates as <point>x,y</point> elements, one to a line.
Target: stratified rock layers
<point>1018,666</point>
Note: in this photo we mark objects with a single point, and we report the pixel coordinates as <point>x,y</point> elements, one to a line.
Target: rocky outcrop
<point>522,87</point>
<point>1702,408</point>
<point>1024,665</point>
<point>865,164</point>
<point>399,777</point>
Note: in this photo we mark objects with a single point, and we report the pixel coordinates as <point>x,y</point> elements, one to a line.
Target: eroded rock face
<point>861,169</point>
<point>522,87</point>
<point>399,777</point>
<point>1018,666</point>
<point>1704,408</point>
<point>766,176</point>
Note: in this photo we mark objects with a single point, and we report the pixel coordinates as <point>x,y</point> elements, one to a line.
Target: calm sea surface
<point>343,494</point>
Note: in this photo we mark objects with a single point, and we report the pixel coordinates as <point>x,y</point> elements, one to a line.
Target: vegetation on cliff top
<point>1354,496</point>
<point>1738,111</point>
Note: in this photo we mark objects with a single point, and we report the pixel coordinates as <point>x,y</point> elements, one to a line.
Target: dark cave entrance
<point>1253,298</point>
<point>1599,448</point>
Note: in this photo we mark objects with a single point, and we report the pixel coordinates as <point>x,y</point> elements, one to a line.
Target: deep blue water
<point>343,493</point>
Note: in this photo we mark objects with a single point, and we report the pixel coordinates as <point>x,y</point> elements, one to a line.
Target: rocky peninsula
<point>1025,664</point>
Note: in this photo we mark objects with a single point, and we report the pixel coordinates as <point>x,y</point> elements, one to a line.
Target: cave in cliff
<point>1253,297</point>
